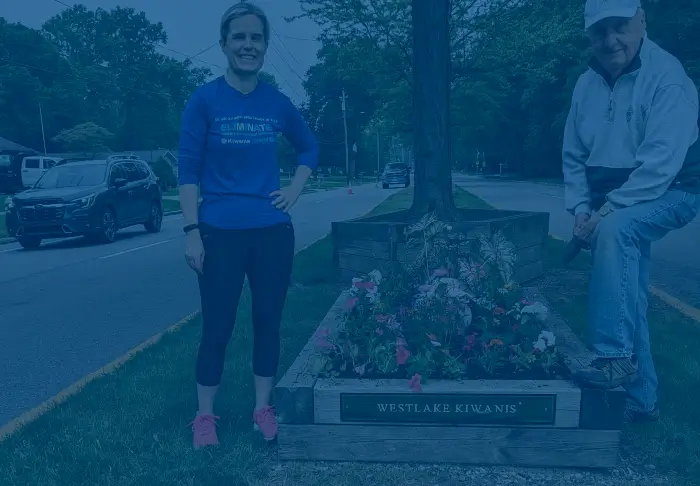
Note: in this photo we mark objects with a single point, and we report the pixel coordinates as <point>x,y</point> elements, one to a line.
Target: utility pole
<point>379,169</point>
<point>43,134</point>
<point>345,127</point>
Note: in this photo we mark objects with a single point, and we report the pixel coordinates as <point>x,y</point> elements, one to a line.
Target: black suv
<point>396,173</point>
<point>92,198</point>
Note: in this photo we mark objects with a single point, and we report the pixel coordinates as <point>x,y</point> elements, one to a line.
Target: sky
<point>193,25</point>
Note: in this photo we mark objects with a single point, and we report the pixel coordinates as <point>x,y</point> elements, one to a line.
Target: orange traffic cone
<point>350,190</point>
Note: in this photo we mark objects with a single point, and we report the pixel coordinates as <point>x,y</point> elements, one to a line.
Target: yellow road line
<point>33,414</point>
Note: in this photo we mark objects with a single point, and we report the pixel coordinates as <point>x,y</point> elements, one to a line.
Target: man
<point>633,118</point>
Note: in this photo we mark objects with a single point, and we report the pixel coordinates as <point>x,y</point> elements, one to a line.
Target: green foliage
<point>92,66</point>
<point>86,137</point>
<point>164,172</point>
<point>515,63</point>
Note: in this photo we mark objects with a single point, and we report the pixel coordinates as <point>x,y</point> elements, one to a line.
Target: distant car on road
<point>91,198</point>
<point>396,173</point>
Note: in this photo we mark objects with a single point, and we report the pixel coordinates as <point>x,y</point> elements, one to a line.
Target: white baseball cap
<point>597,10</point>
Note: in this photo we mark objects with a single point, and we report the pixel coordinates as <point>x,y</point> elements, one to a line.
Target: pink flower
<point>482,274</point>
<point>365,285</point>
<point>402,355</point>
<point>379,331</point>
<point>425,288</point>
<point>323,343</point>
<point>414,383</point>
<point>440,272</point>
<point>360,369</point>
<point>400,342</point>
<point>471,342</point>
<point>351,303</point>
<point>499,311</point>
<point>525,302</point>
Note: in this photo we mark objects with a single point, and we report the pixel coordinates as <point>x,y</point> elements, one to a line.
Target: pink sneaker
<point>204,431</point>
<point>266,422</point>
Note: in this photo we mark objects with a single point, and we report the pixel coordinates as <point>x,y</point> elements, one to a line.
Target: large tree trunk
<point>431,108</point>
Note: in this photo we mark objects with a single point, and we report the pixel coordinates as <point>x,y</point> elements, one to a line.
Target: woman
<point>242,227</point>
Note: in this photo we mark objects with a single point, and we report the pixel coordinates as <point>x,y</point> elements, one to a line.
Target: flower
<point>402,355</point>
<point>539,345</point>
<point>499,311</point>
<point>433,340</point>
<point>496,342</point>
<point>400,342</point>
<point>365,285</point>
<point>375,276</point>
<point>471,342</point>
<point>547,337</point>
<point>537,310</point>
<point>360,369</point>
<point>323,343</point>
<point>414,383</point>
<point>382,317</point>
<point>351,303</point>
<point>440,272</point>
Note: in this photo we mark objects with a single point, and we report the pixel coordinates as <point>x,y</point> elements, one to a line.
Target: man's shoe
<point>637,417</point>
<point>608,373</point>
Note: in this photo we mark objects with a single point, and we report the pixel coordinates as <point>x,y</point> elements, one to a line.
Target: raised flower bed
<point>445,359</point>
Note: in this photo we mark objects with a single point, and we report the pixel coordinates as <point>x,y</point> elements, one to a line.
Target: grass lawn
<point>130,427</point>
<point>3,228</point>
<point>170,205</point>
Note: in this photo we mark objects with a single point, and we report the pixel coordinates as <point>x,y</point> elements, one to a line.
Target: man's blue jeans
<point>619,287</point>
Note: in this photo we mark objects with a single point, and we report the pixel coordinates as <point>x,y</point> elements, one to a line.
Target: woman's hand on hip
<point>194,251</point>
<point>285,198</point>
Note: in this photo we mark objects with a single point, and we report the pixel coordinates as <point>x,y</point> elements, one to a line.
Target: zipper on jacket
<point>611,105</point>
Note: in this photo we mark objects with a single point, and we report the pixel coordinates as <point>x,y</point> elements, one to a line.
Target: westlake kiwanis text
<point>448,408</point>
<point>445,408</point>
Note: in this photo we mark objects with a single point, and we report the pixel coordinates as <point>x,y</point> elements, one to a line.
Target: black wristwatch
<point>190,227</point>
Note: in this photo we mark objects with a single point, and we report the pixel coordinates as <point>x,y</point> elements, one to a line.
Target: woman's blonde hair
<point>241,10</point>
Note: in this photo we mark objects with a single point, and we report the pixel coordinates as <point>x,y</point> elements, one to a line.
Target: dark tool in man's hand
<point>572,248</point>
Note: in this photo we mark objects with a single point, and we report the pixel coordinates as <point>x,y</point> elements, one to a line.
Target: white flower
<point>539,345</point>
<point>537,310</point>
<point>373,295</point>
<point>375,276</point>
<point>547,337</point>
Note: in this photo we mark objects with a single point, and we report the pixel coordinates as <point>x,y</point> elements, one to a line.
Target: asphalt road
<point>70,308</point>
<point>675,259</point>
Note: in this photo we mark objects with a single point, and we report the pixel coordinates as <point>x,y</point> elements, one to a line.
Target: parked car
<point>396,173</point>
<point>11,170</point>
<point>92,198</point>
<point>34,167</point>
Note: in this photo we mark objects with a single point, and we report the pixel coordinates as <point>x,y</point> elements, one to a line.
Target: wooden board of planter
<point>364,244</point>
<point>548,423</point>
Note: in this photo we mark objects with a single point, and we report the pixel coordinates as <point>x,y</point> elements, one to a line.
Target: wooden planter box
<point>364,244</point>
<point>548,423</point>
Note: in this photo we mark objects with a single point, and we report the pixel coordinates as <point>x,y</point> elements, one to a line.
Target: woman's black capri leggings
<point>266,256</point>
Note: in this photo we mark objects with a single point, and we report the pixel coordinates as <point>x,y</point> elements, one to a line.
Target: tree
<point>431,108</point>
<point>86,137</point>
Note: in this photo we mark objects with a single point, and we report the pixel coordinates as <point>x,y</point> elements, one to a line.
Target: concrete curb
<point>5,241</point>
<point>30,416</point>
